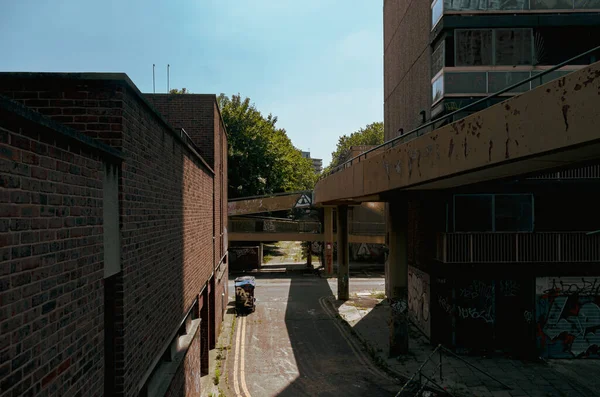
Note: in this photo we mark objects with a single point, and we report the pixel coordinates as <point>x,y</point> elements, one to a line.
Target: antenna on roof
<point>168,82</point>
<point>153,80</point>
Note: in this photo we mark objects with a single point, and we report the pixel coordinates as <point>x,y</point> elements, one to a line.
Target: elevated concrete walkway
<point>554,125</point>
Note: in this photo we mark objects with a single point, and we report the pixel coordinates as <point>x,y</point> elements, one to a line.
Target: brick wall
<point>166,207</point>
<point>166,235</point>
<point>193,113</point>
<point>186,381</point>
<point>407,64</point>
<point>51,296</point>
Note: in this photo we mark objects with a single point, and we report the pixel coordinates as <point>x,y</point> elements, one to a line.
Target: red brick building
<point>112,236</point>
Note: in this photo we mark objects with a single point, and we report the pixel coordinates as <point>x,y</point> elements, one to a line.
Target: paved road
<point>293,346</point>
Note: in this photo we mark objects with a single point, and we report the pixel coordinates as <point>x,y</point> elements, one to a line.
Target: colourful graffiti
<point>568,316</point>
<point>418,299</point>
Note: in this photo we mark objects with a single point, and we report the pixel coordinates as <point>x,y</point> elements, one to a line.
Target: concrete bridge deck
<point>554,125</point>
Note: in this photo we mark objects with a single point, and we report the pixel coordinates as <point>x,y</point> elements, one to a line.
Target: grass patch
<point>267,258</point>
<point>378,294</point>
<point>217,377</point>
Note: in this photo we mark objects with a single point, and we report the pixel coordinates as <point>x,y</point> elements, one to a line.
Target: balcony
<point>565,247</point>
<point>484,80</point>
<point>444,7</point>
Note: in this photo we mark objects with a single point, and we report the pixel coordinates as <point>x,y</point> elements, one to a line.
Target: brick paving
<point>369,317</point>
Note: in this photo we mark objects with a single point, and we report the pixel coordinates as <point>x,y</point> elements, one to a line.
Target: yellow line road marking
<point>243,353</point>
<point>235,361</point>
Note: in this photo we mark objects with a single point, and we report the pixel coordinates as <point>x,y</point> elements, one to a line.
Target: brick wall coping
<point>24,112</point>
<point>119,78</point>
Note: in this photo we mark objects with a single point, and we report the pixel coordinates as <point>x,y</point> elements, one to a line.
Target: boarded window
<point>513,212</point>
<point>473,47</point>
<point>493,213</point>
<point>513,47</point>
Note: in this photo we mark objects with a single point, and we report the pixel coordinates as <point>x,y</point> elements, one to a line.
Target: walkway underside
<point>301,237</point>
<point>255,205</point>
<point>554,125</point>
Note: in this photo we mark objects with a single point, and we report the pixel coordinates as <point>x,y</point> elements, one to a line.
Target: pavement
<point>368,316</point>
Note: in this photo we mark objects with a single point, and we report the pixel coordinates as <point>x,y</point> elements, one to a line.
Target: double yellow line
<point>239,374</point>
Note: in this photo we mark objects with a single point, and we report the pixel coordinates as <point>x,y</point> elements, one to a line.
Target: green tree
<point>372,134</point>
<point>181,91</point>
<point>261,158</point>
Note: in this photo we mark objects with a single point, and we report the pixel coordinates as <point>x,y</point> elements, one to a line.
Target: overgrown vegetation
<point>261,158</point>
<point>372,134</point>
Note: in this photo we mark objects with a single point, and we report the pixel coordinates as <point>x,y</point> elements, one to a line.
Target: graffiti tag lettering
<point>477,289</point>
<point>476,313</point>
<point>418,298</point>
<point>509,287</point>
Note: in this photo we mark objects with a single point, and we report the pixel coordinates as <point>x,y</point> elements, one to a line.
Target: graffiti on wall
<point>568,316</point>
<point>476,301</point>
<point>243,257</point>
<point>418,299</point>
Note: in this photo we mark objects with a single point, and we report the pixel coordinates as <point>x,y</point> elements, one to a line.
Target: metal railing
<point>430,374</point>
<point>271,195</point>
<point>588,172</point>
<point>272,226</point>
<point>415,132</point>
<point>285,226</point>
<point>367,228</point>
<point>518,247</point>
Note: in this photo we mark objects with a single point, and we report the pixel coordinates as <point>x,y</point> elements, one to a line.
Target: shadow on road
<point>327,364</point>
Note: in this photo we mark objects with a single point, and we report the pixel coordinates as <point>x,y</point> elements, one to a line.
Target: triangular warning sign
<point>303,201</point>
<point>363,250</point>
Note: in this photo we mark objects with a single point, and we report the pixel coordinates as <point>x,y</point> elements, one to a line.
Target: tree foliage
<point>261,158</point>
<point>181,91</point>
<point>372,134</point>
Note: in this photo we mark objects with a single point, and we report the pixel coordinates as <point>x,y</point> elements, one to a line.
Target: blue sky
<point>315,64</point>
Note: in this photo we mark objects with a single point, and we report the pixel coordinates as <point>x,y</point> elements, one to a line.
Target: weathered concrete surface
<point>553,125</point>
<point>302,237</point>
<point>258,205</point>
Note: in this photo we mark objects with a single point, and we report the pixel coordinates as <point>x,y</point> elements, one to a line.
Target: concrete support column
<point>309,255</point>
<point>261,255</point>
<point>397,275</point>
<point>343,253</point>
<point>328,240</point>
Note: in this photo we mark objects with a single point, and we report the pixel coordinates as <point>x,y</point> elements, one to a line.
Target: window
<point>438,88</point>
<point>438,57</point>
<point>513,47</point>
<point>483,47</point>
<point>513,212</point>
<point>473,213</point>
<point>493,213</point>
<point>473,47</point>
<point>437,9</point>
